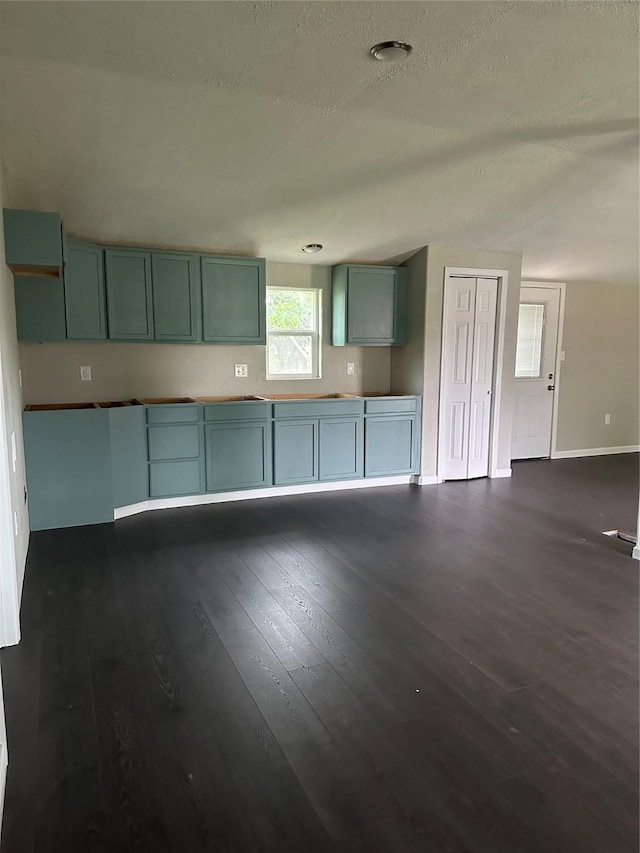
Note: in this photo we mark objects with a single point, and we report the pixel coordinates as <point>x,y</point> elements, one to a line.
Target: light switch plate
<point>351,368</point>
<point>85,373</point>
<point>241,371</point>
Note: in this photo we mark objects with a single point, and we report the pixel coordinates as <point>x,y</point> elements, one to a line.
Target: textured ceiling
<point>257,127</point>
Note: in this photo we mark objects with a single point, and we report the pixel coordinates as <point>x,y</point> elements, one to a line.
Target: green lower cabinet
<point>175,478</point>
<point>237,455</point>
<point>295,452</point>
<point>68,462</point>
<point>391,445</point>
<point>128,455</point>
<point>340,448</point>
<point>40,314</point>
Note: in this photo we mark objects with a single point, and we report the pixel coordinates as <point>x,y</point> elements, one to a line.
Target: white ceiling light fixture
<point>312,248</point>
<point>391,51</point>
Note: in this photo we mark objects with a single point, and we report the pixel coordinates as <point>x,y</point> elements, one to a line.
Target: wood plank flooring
<point>446,670</point>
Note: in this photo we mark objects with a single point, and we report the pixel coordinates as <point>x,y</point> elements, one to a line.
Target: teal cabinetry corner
<point>84,293</point>
<point>233,300</point>
<point>128,455</point>
<point>68,467</point>
<point>40,313</point>
<point>33,242</point>
<point>369,305</point>
<point>129,294</point>
<point>176,296</point>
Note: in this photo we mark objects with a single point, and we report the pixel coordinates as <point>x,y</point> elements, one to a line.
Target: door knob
<point>551,387</point>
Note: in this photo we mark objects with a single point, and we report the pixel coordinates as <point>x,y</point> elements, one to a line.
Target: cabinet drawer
<point>317,408</point>
<point>390,405</point>
<point>174,414</point>
<point>168,479</point>
<point>249,411</point>
<point>174,442</point>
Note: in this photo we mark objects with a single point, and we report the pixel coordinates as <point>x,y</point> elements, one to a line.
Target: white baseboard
<point>500,472</point>
<point>636,552</point>
<point>429,480</point>
<point>595,451</point>
<point>254,494</point>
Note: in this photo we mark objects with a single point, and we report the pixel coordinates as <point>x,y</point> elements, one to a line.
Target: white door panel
<point>469,321</point>
<point>535,372</point>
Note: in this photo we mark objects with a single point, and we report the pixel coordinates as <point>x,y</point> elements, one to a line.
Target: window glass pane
<point>290,355</point>
<point>529,347</point>
<point>291,309</point>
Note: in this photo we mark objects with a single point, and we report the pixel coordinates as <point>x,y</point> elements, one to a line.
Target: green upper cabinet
<point>84,295</point>
<point>33,242</point>
<point>129,294</point>
<point>175,278</point>
<point>369,305</point>
<point>40,308</point>
<point>233,300</point>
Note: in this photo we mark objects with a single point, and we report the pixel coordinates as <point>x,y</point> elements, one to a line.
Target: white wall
<point>121,371</point>
<point>601,370</point>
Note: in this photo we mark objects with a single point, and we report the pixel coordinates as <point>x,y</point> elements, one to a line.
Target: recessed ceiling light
<point>311,248</point>
<point>391,51</point>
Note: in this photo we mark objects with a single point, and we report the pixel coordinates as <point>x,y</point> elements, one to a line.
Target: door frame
<point>561,286</point>
<point>498,360</point>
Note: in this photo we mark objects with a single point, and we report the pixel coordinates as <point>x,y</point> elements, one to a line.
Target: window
<point>293,333</point>
<point>529,346</point>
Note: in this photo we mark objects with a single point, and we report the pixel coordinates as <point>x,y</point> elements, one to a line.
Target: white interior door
<point>482,372</point>
<point>535,379</point>
<point>469,321</point>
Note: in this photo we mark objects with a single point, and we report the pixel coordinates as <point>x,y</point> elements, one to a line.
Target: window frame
<point>315,334</point>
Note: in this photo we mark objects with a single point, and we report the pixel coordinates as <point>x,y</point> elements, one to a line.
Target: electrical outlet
<point>351,368</point>
<point>14,451</point>
<point>85,373</point>
<point>242,371</point>
<point>607,418</point>
<point>20,377</point>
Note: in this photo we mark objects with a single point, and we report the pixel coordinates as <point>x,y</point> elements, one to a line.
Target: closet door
<point>468,335</point>
<point>456,374</point>
<point>482,376</point>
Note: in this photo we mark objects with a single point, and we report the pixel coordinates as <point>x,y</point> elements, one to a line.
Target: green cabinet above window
<point>233,300</point>
<point>369,305</point>
<point>129,294</point>
<point>84,296</point>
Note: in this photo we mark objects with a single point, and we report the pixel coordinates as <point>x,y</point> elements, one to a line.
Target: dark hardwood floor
<point>449,669</point>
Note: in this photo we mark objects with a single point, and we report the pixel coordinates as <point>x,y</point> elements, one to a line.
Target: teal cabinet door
<point>237,455</point>
<point>40,312</point>
<point>176,282</point>
<point>33,242</point>
<point>84,294</point>
<point>128,455</point>
<point>369,305</point>
<point>129,294</point>
<point>295,451</point>
<point>340,450</point>
<point>391,445</point>
<point>68,466</point>
<point>233,300</point>
<point>172,479</point>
